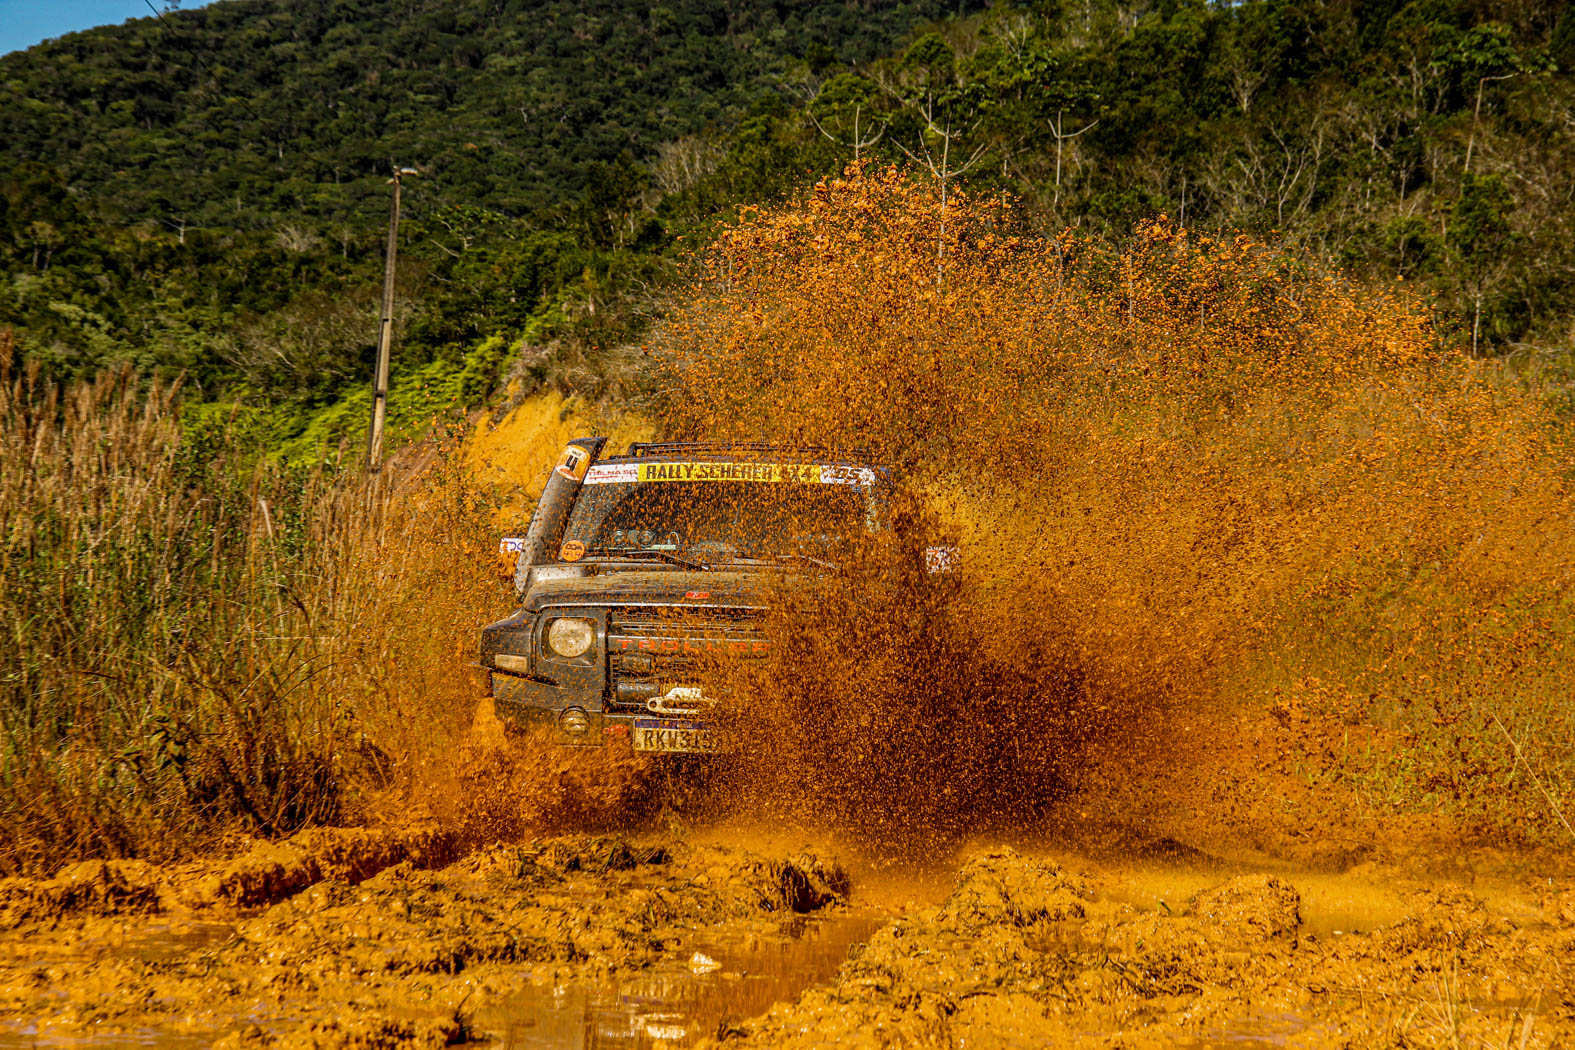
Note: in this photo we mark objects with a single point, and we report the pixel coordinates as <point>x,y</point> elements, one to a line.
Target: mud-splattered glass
<point>708,521</point>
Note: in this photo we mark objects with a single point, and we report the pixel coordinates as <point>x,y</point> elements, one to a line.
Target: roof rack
<point>673,448</point>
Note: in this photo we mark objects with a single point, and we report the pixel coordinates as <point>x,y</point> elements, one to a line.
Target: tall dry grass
<point>1189,472</point>
<point>199,641</point>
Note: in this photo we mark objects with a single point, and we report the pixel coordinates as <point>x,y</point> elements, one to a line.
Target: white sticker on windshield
<point>861,476</point>
<point>612,473</point>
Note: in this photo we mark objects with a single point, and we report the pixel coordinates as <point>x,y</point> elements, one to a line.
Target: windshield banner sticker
<point>612,473</point>
<point>803,473</point>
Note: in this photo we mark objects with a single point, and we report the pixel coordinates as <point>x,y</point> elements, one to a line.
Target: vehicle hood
<point>664,587</point>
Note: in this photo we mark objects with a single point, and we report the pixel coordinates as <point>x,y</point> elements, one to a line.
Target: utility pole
<point>385,335</point>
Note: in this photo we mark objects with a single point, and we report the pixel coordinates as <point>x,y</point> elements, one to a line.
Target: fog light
<point>574,721</point>
<point>510,662</point>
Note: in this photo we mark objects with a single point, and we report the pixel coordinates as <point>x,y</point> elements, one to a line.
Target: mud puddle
<point>724,982</point>
<point>148,941</point>
<point>1265,1031</point>
<point>1027,953</point>
<point>584,941</point>
<point>153,943</point>
<point>150,1039</point>
<point>411,957</point>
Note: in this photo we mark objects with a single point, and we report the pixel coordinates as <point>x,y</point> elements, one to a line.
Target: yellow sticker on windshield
<point>756,472</point>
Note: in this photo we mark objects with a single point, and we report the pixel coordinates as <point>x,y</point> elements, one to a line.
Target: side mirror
<point>509,548</point>
<point>940,559</point>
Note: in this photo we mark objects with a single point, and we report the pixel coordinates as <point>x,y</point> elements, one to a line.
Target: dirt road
<point>359,938</point>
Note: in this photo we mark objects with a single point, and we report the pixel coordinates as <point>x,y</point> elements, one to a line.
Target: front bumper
<point>523,702</point>
<point>643,654</point>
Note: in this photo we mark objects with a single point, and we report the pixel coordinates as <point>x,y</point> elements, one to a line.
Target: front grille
<point>663,620</point>
<point>651,649</point>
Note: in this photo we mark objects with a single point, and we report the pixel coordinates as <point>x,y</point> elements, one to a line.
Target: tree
<point>613,202</point>
<point>945,116</point>
<point>1481,55</point>
<point>845,110</point>
<point>1480,240</point>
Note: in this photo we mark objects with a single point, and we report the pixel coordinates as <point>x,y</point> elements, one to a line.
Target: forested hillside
<point>204,193</point>
<point>248,112</point>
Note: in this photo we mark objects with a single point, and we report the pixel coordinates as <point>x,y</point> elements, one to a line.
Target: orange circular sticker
<point>574,550</point>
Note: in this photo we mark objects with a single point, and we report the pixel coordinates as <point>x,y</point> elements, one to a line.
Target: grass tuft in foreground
<point>198,641</point>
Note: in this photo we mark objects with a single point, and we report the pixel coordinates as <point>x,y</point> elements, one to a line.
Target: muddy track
<point>1026,953</point>
<point>356,938</point>
<point>349,958</point>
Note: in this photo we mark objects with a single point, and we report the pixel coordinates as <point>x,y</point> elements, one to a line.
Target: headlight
<point>570,637</point>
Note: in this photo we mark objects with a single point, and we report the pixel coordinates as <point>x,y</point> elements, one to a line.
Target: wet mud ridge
<point>339,941</point>
<point>1025,954</point>
<point>401,958</point>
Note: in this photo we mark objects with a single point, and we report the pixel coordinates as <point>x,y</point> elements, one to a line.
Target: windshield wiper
<point>793,556</point>
<point>667,556</point>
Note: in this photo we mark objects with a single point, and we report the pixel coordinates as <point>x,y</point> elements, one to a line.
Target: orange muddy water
<point>723,937</point>
<point>727,981</point>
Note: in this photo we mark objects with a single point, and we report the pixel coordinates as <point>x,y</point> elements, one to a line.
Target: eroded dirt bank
<point>357,938</point>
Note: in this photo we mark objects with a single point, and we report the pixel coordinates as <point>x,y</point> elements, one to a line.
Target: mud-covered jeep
<point>636,570</point>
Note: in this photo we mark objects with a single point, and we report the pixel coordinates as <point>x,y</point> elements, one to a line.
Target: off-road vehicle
<point>636,570</point>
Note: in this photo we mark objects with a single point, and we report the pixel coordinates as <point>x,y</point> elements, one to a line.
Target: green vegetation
<point>205,194</point>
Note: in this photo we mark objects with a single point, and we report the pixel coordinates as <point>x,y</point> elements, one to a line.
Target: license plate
<point>673,735</point>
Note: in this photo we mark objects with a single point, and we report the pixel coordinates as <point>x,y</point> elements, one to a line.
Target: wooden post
<point>385,335</point>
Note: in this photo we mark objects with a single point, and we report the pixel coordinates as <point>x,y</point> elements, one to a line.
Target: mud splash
<point>1192,479</point>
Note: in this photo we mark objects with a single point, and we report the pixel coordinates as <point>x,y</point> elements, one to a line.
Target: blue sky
<point>24,23</point>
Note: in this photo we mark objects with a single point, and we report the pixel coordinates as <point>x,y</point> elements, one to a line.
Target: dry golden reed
<point>199,642</point>
<point>1190,476</point>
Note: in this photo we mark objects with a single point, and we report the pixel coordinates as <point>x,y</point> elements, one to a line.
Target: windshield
<point>709,520</point>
